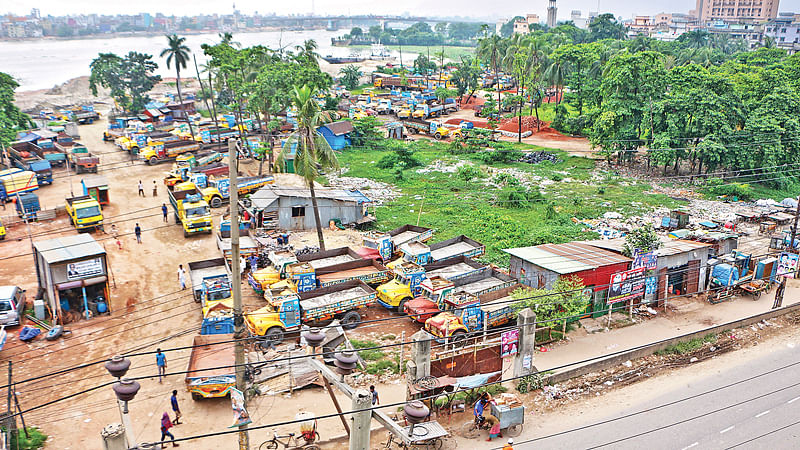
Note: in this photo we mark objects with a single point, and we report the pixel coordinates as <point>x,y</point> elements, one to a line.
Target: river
<point>44,63</point>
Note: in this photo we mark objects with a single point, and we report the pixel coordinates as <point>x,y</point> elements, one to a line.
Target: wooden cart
<point>754,288</point>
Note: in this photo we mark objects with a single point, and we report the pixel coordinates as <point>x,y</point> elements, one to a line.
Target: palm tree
<point>491,49</point>
<point>555,74</point>
<point>177,51</point>
<point>313,153</point>
<point>308,52</point>
<point>227,39</point>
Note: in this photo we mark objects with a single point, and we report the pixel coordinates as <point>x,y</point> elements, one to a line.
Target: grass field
<point>453,206</point>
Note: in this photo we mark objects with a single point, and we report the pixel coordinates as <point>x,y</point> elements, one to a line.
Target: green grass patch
<point>388,337</point>
<point>455,203</point>
<point>382,366</point>
<point>683,348</point>
<point>373,354</point>
<point>34,440</point>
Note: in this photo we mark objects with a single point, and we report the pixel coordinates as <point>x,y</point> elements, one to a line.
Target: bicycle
<point>292,442</point>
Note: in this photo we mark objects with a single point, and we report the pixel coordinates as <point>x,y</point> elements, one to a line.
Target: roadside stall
<point>97,187</point>
<point>73,276</point>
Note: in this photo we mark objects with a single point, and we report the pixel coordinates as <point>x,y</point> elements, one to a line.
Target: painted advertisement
<point>626,285</point>
<point>787,264</point>
<point>509,341</point>
<point>84,269</point>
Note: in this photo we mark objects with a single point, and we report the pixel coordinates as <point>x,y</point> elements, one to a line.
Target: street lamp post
<point>125,389</point>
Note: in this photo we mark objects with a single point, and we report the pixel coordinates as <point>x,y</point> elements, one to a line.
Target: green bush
<point>683,348</point>
<point>382,366</point>
<point>719,187</point>
<point>34,441</point>
<point>498,156</point>
<point>516,196</point>
<point>506,179</point>
<point>556,176</point>
<point>469,173</point>
<point>402,156</point>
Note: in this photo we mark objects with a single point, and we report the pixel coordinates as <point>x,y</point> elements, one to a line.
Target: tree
<point>423,65</point>
<point>356,32</point>
<point>442,93</point>
<point>350,76</point>
<point>644,239</point>
<point>227,39</point>
<point>491,50</point>
<point>466,76</point>
<point>11,118</point>
<point>313,153</point>
<point>129,79</point>
<point>179,53</point>
<point>605,26</point>
<point>307,53</point>
<point>559,304</point>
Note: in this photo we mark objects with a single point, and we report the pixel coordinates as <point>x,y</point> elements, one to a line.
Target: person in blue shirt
<point>161,362</point>
<point>175,408</point>
<point>164,211</point>
<point>480,405</point>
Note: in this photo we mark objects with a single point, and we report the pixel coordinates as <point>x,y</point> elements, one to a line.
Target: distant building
<point>580,22</point>
<point>551,13</point>
<point>785,31</point>
<point>523,26</point>
<point>290,208</point>
<point>736,10</point>
<point>641,25</point>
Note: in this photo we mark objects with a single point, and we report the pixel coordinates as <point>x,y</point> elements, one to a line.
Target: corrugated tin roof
<point>567,258</point>
<point>91,181</point>
<point>68,248</point>
<point>267,195</point>
<point>677,246</point>
<point>339,128</point>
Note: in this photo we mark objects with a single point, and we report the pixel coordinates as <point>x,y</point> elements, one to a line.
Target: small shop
<point>97,187</point>
<point>73,277</point>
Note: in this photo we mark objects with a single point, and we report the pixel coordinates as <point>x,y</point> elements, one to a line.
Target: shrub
<point>506,179</point>
<point>498,155</point>
<point>402,156</point>
<point>34,440</point>
<point>516,196</point>
<point>468,173</point>
<point>382,366</point>
<point>556,177</point>
<point>718,187</point>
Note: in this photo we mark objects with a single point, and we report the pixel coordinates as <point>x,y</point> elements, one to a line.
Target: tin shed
<point>337,133</point>
<point>290,208</point>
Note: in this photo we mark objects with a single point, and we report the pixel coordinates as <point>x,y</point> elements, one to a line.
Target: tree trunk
<point>317,220</point>
<point>202,88</point>
<point>213,106</point>
<point>180,100</point>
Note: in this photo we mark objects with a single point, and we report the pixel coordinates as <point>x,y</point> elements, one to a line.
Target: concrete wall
<point>617,358</point>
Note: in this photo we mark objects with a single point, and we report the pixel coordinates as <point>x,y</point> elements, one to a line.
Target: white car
<point>12,303</point>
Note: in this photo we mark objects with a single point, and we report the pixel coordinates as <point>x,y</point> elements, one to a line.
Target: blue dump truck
<point>387,244</point>
<point>27,205</point>
<point>211,286</point>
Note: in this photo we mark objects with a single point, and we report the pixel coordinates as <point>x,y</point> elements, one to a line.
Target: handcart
<point>755,288</point>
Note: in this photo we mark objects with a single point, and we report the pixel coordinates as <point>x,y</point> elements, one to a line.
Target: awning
<point>69,285</point>
<point>95,280</point>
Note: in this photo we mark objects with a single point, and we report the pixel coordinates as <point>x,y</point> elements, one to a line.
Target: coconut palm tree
<point>227,39</point>
<point>556,74</point>
<point>491,49</point>
<point>313,154</point>
<point>308,52</point>
<point>179,53</point>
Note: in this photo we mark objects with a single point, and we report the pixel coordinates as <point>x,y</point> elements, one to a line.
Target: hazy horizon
<point>445,8</point>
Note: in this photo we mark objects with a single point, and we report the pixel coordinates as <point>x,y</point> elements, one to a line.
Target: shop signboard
<point>787,264</point>
<point>646,260</point>
<point>84,269</point>
<point>626,285</point>
<point>509,341</point>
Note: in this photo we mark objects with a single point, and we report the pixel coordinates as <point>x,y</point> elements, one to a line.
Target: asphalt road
<point>760,413</point>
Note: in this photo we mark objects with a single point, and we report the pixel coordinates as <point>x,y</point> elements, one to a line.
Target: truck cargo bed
<point>457,246</point>
<point>455,268</point>
<point>207,352</point>
<point>327,302</point>
<point>203,269</point>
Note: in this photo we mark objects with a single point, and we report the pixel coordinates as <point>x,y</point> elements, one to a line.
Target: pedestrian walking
<point>164,211</point>
<point>161,363</point>
<point>779,294</point>
<point>141,188</point>
<point>181,277</point>
<point>155,188</point>
<point>166,424</point>
<point>138,232</point>
<point>175,408</point>
<point>375,399</point>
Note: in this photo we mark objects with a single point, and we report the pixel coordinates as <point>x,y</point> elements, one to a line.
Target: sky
<point>471,8</point>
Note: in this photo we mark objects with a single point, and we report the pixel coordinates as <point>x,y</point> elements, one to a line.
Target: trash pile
<point>539,156</point>
<point>377,191</point>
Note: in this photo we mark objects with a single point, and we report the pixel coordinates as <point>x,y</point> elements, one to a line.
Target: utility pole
<point>238,318</point>
<point>794,227</point>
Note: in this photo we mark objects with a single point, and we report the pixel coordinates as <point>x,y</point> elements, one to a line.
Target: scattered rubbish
<point>543,349</point>
<point>609,383</point>
<point>694,359</point>
<point>612,215</point>
<point>627,363</point>
<point>537,157</point>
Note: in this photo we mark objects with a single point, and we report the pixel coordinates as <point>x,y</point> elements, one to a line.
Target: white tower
<point>551,14</point>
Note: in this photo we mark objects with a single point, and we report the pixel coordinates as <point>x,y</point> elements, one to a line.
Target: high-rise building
<point>551,14</point>
<point>736,10</point>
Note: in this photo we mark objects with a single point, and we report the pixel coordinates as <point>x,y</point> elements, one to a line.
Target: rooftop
<point>669,246</point>
<point>568,258</point>
<point>339,128</point>
<point>267,195</point>
<point>68,248</point>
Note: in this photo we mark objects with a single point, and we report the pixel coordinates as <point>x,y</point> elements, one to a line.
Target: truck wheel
<point>458,337</point>
<point>196,396</point>
<point>401,307</point>
<point>351,320</point>
<point>152,161</point>
<point>216,202</point>
<point>438,136</point>
<point>185,234</point>
<point>274,334</point>
<point>246,202</point>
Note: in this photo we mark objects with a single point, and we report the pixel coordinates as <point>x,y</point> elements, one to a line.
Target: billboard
<point>647,260</point>
<point>626,285</point>
<point>509,341</point>
<point>84,269</point>
<point>787,265</point>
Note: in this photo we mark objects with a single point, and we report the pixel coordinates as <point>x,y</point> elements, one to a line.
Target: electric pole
<point>238,318</point>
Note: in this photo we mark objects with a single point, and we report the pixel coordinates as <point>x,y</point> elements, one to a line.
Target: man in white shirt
<point>181,277</point>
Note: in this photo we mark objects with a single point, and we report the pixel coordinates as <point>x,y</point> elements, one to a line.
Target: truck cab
<point>12,303</point>
<point>403,287</point>
<point>421,111</point>
<point>85,213</point>
<point>281,314</point>
<point>2,231</point>
<point>462,314</point>
<point>191,211</point>
<point>433,291</point>
<point>384,106</point>
<point>404,113</point>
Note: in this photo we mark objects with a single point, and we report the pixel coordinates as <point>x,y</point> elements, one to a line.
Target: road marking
<point>690,446</point>
<point>793,400</point>
<point>726,429</point>
<point>762,414</point>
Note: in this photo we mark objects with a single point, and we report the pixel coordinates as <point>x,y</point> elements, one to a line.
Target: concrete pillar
<point>114,437</point>
<point>359,429</point>
<point>526,321</point>
<point>421,354</point>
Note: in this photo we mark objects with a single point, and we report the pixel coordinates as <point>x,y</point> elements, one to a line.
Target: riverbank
<point>450,52</point>
<point>123,34</point>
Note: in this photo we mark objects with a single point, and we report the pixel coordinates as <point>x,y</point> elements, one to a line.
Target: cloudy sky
<point>472,8</point>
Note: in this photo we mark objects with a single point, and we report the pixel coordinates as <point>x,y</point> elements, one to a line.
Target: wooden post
<point>402,350</point>
<point>336,404</point>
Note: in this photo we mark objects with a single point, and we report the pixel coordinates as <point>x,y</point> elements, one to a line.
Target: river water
<point>41,64</point>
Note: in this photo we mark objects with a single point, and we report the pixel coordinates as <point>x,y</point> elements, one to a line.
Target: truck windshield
<point>197,211</point>
<point>90,211</point>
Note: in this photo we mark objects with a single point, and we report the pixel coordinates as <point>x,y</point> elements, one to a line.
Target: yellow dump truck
<point>85,213</point>
<point>191,211</point>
